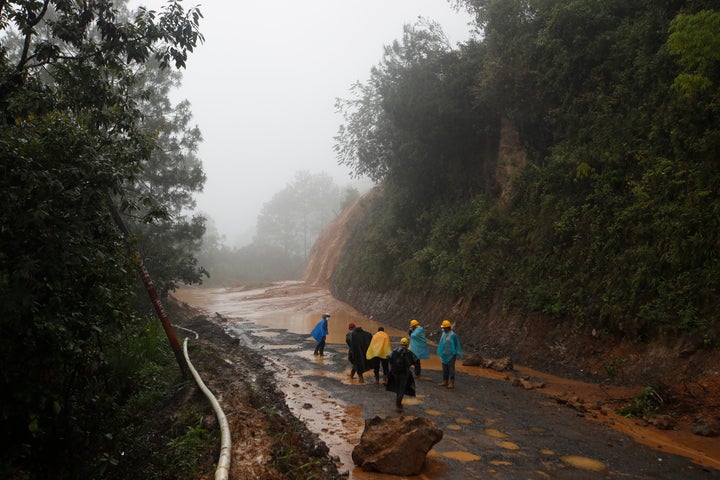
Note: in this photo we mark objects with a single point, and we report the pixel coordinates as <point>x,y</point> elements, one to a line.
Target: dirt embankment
<point>683,371</point>
<point>268,441</point>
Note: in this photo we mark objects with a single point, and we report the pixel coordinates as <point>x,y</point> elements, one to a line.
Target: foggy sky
<point>263,89</point>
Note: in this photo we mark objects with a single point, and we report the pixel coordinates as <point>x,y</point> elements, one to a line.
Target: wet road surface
<point>491,428</point>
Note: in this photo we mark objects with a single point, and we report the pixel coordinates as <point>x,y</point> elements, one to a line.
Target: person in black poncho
<point>358,341</point>
<point>400,379</point>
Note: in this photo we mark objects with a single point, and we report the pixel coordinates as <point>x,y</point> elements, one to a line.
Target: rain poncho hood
<point>448,346</point>
<point>418,343</point>
<point>379,346</point>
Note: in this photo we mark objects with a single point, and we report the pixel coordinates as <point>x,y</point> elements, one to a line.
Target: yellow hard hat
<point>446,324</point>
<point>414,323</point>
<point>404,341</point>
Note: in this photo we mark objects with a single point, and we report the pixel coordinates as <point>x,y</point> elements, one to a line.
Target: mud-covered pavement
<point>492,429</point>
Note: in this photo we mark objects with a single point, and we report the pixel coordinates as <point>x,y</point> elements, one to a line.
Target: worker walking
<point>418,342</point>
<point>358,342</point>
<point>377,352</point>
<point>400,378</point>
<point>320,333</point>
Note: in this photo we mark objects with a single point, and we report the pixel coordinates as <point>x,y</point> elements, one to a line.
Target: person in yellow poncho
<point>379,349</point>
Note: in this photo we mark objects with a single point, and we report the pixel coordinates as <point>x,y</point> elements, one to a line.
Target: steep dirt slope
<point>328,248</point>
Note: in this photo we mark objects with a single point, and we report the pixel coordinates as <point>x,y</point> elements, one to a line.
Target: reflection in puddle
<point>547,452</point>
<point>434,412</point>
<point>508,445</point>
<point>491,432</point>
<point>500,463</point>
<point>465,421</point>
<point>461,456</point>
<point>584,463</point>
<point>537,429</point>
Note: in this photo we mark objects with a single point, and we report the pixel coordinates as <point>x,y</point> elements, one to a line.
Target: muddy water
<point>339,421</point>
<point>296,313</point>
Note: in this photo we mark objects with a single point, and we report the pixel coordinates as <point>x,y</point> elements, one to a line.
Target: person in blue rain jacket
<point>448,350</point>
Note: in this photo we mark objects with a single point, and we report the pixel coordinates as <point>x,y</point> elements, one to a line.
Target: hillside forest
<point>567,156</point>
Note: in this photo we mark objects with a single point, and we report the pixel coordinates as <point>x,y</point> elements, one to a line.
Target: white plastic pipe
<point>223,467</point>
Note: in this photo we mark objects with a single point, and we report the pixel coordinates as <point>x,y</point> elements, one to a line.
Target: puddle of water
<point>278,347</point>
<point>547,452</point>
<point>454,427</point>
<point>537,429</point>
<point>584,463</point>
<point>461,456</point>
<point>465,421</point>
<point>275,307</point>
<point>434,412</point>
<point>508,445</point>
<point>265,333</point>
<point>500,463</point>
<point>491,432</point>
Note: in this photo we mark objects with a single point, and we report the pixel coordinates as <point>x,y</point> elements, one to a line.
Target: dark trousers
<point>401,380</point>
<point>320,347</point>
<point>448,369</point>
<point>384,363</point>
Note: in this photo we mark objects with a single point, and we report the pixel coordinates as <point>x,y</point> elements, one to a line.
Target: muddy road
<point>492,429</point>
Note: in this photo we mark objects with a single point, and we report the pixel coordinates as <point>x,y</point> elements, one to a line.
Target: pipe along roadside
<point>223,467</point>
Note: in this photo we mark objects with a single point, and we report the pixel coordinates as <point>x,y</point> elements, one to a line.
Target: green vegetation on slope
<point>614,221</point>
<point>86,124</point>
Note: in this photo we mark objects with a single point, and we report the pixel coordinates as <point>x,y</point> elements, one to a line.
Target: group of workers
<point>374,352</point>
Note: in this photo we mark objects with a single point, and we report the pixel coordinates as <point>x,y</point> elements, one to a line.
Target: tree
<point>695,40</point>
<point>296,215</point>
<point>164,190</point>
<point>70,134</point>
<point>416,125</point>
<point>613,223</point>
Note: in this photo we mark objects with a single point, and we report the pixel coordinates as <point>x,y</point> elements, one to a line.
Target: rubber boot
<point>444,383</point>
<point>451,384</point>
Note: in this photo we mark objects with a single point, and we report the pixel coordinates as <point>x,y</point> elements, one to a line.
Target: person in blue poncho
<point>320,333</point>
<point>418,342</point>
<point>448,350</point>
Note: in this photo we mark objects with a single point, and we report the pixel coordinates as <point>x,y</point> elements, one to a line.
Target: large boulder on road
<point>397,445</point>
